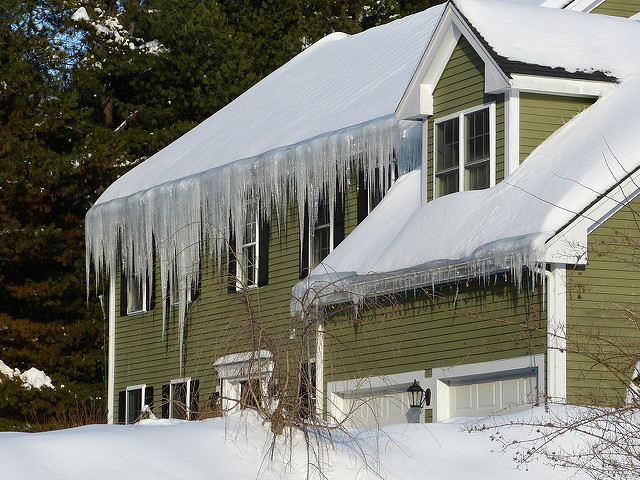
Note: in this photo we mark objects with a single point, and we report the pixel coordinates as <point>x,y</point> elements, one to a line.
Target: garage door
<point>382,408</point>
<point>487,398</point>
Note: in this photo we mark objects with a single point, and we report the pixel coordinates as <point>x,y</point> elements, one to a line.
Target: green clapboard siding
<point>602,312</point>
<point>218,322</point>
<point>541,115</point>
<point>618,8</point>
<point>429,330</point>
<point>461,86</point>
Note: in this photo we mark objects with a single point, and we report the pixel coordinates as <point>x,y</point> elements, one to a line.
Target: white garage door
<point>382,408</point>
<point>487,398</point>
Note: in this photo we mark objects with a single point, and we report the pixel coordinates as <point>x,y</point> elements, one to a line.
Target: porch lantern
<point>417,396</point>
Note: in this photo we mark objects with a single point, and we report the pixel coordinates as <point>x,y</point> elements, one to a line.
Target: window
<point>248,258</point>
<point>372,191</point>
<point>321,238</point>
<point>193,292</point>
<point>250,393</point>
<point>465,151</point>
<point>136,295</point>
<point>249,267</point>
<point>131,402</point>
<point>180,399</point>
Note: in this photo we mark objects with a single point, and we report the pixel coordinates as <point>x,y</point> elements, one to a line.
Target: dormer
<point>483,113</point>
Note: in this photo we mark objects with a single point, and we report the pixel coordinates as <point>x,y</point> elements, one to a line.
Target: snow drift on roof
<point>470,234</point>
<point>574,41</point>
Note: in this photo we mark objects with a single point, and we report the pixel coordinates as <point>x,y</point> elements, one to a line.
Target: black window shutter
<point>165,401</point>
<point>122,406</point>
<point>338,220</point>
<point>148,397</point>
<point>123,295</point>
<point>231,259</point>
<point>195,391</point>
<point>304,253</point>
<point>363,198</point>
<point>263,254</point>
<point>151,285</point>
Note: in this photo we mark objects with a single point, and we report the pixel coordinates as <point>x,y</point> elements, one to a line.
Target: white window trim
<point>172,384</point>
<point>312,231</point>
<point>462,144</point>
<point>142,387</point>
<point>241,277</point>
<point>129,279</point>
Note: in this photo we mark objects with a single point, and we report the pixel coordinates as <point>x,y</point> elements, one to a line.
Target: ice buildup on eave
<point>305,126</point>
<point>403,245</point>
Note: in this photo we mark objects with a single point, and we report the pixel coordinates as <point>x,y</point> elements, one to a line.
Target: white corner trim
<point>319,366</point>
<point>561,86</point>
<point>512,131</point>
<point>557,333</point>
<point>569,246</point>
<point>111,366</point>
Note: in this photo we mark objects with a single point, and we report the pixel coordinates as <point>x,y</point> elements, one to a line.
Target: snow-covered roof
<point>404,245</point>
<point>300,128</point>
<point>340,81</point>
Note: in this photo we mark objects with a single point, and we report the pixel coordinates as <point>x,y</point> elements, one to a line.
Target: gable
<point>462,86</point>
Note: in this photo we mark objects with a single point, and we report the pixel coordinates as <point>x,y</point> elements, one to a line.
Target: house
<point>502,138</point>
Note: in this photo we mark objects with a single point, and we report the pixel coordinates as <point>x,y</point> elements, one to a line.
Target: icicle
<point>190,216</point>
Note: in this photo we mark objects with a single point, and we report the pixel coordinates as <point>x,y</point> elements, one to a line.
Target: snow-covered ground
<point>237,447</point>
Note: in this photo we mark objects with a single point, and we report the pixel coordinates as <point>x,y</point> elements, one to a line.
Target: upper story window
<point>464,146</point>
<point>136,295</point>
<point>249,266</point>
<point>248,257</point>
<point>322,235</point>
<point>372,191</point>
<point>321,238</point>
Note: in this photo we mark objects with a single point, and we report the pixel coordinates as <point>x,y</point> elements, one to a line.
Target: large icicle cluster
<point>322,289</point>
<point>191,216</point>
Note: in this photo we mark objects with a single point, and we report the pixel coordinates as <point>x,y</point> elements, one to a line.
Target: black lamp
<point>417,396</point>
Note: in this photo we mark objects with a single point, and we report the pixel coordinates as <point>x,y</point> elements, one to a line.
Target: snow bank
<point>238,447</point>
<point>32,378</point>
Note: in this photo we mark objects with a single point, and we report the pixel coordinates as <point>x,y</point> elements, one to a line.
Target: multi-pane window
<point>447,157</point>
<point>322,238</point>
<point>248,258</point>
<point>477,154</point>
<point>465,151</point>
